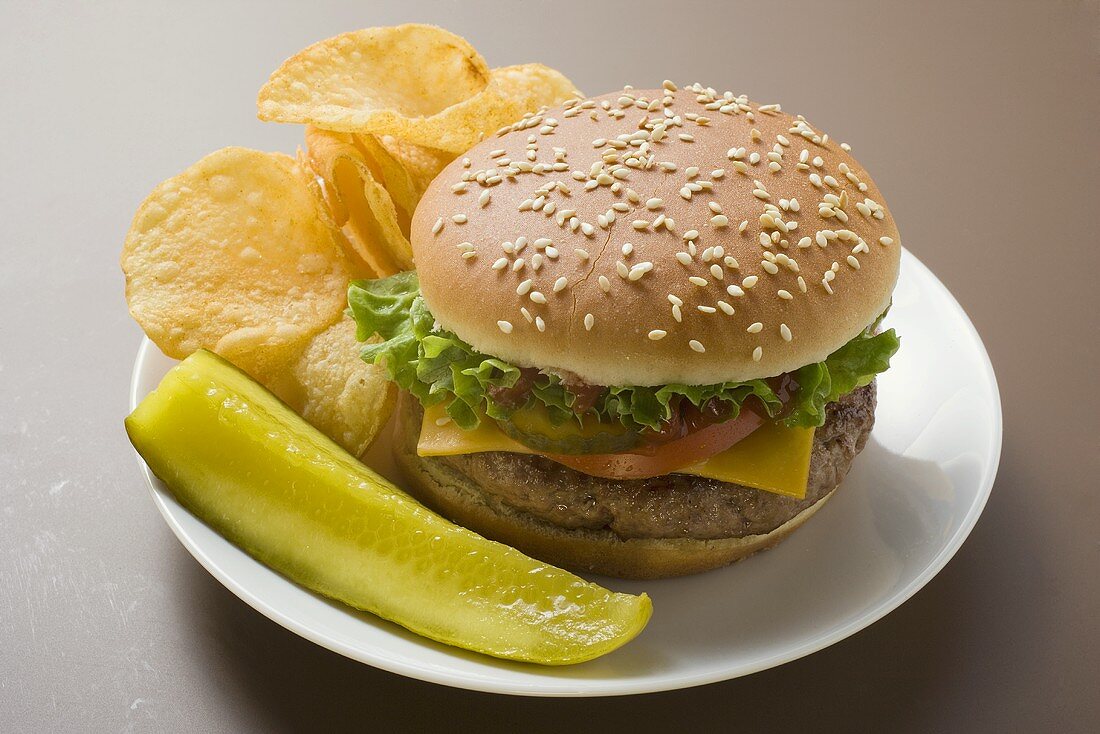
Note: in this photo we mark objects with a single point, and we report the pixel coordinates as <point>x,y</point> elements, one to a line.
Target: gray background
<point>980,122</point>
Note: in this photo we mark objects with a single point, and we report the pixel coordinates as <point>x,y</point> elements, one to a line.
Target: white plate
<point>909,502</point>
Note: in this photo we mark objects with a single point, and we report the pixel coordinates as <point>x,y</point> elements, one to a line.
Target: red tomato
<point>666,457</point>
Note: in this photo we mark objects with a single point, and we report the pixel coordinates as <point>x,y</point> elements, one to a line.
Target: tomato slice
<point>667,457</point>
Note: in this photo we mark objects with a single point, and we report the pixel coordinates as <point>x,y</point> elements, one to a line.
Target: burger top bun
<point>646,237</point>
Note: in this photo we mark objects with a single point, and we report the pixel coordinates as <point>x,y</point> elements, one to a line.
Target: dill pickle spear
<point>256,472</point>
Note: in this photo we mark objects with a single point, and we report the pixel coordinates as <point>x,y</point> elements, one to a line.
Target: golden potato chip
<point>515,91</point>
<point>394,176</point>
<point>233,255</point>
<point>341,395</point>
<point>374,77</point>
<point>359,203</point>
<point>512,92</point>
<point>423,164</point>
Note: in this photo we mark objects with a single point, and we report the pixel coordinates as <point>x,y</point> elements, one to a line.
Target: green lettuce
<point>436,366</point>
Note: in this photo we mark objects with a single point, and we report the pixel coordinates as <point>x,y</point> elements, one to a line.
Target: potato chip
<point>417,83</point>
<point>515,91</point>
<point>374,77</point>
<point>512,92</point>
<point>394,176</point>
<point>233,255</point>
<point>341,395</point>
<point>423,164</point>
<point>359,203</point>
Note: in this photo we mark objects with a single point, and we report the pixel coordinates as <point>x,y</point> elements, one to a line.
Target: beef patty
<point>670,506</point>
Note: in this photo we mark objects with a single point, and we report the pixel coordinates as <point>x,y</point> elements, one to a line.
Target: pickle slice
<point>256,472</point>
<point>532,427</point>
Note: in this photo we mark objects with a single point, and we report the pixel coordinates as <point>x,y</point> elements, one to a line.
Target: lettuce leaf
<point>435,366</point>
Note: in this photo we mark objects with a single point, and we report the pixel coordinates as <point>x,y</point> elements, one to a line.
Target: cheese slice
<point>773,458</point>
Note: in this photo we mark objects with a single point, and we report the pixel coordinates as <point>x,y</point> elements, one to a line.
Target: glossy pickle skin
<point>258,474</point>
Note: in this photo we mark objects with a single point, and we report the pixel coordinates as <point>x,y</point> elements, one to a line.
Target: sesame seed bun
<point>627,302</point>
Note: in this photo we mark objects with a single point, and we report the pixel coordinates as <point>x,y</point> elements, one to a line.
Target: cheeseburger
<point>643,330</point>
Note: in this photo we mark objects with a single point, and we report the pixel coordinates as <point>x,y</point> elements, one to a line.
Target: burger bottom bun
<point>441,483</point>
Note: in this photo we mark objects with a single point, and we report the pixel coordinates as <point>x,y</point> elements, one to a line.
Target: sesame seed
<point>718,173</point>
<point>716,271</point>
<point>749,282</point>
<point>459,188</point>
<point>605,284</point>
<point>654,203</point>
<point>589,321</point>
<point>770,267</point>
<point>657,334</point>
<point>527,315</point>
<point>500,264</point>
<point>459,219</point>
<point>640,224</point>
<point>754,158</point>
<point>755,327</point>
<point>697,346</point>
<point>757,354</point>
<point>559,284</point>
<point>518,265</point>
<point>743,226</point>
<point>728,309</point>
<point>674,300</point>
<point>691,234</point>
<point>707,309</point>
<point>853,261</point>
<point>524,288</point>
<point>845,147</point>
<point>483,200</point>
<point>719,220</point>
<point>505,326</point>
<point>537,297</point>
<point>540,324</point>
<point>676,314</point>
<point>785,295</point>
<point>437,226</point>
<point>639,270</point>
<point>696,280</point>
<point>684,258</point>
<point>886,240</point>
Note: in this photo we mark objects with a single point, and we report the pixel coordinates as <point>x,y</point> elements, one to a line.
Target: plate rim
<point>611,687</point>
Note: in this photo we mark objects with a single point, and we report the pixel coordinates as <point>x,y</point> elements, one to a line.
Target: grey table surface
<point>979,122</point>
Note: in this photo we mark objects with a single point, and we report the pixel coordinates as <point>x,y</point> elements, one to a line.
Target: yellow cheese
<point>772,458</point>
